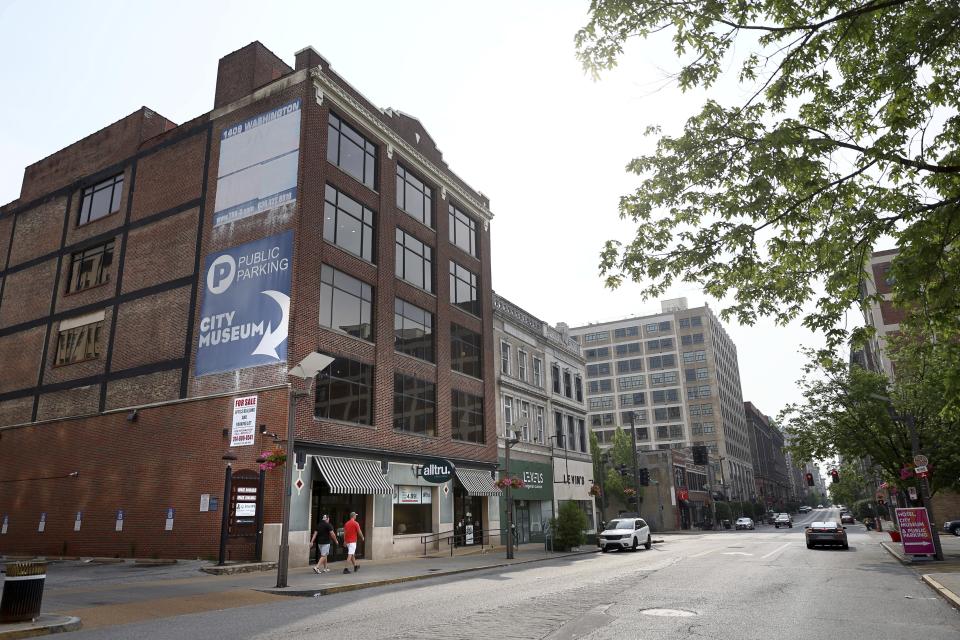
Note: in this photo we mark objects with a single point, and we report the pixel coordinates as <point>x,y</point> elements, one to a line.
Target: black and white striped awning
<point>477,482</point>
<point>353,475</point>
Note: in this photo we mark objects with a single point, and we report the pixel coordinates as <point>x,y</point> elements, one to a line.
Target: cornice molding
<point>327,89</point>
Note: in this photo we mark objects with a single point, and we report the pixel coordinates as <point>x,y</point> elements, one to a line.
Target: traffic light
<point>700,455</point>
<point>835,475</point>
<point>809,479</point>
<point>645,477</point>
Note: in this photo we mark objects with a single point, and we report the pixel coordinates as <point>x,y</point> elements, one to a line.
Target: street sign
<point>921,471</point>
<point>920,460</point>
<point>913,492</point>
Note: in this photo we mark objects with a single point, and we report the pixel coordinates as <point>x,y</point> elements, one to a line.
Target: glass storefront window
<point>412,510</point>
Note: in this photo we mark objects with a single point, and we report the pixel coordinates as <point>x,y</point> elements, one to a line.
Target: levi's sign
<point>246,306</point>
<point>436,471</point>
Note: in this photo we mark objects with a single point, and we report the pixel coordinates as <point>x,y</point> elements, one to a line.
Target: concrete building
<point>159,281</point>
<point>770,473</point>
<point>882,315</point>
<point>677,374</point>
<point>540,374</point>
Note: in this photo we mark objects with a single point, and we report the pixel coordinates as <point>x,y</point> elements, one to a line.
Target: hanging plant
<point>595,491</point>
<point>512,482</point>
<point>273,459</point>
<point>629,491</point>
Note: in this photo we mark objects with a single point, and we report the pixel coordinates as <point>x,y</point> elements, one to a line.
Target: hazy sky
<point>496,84</point>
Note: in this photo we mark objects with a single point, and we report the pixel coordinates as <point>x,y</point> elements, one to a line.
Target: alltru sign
<point>436,471</point>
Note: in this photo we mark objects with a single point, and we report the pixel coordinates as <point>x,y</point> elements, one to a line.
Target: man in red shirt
<point>350,532</point>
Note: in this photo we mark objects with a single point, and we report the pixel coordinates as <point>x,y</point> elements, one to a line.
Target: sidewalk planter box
<point>894,535</point>
<point>22,591</point>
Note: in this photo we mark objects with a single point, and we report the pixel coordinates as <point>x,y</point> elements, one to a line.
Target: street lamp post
<point>308,369</point>
<point>508,444</point>
<point>225,517</point>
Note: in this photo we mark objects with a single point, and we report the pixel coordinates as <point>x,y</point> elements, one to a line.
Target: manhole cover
<point>668,613</point>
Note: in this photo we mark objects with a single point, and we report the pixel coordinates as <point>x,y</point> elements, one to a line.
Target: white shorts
<point>351,548</point>
<point>324,550</point>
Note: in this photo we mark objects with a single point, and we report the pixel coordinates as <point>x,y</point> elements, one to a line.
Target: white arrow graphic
<point>273,339</point>
<point>737,553</point>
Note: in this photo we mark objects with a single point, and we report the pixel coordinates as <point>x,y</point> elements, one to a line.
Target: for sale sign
<point>915,531</point>
<point>244,421</point>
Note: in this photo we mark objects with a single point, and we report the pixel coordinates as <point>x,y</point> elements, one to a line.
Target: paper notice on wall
<point>204,502</point>
<point>168,525</point>
<point>244,428</point>
<point>78,521</point>
<point>246,509</point>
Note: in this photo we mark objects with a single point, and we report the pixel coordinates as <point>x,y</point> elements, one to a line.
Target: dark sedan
<point>826,533</point>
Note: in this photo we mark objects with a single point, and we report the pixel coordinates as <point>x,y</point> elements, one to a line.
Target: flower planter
<point>894,535</point>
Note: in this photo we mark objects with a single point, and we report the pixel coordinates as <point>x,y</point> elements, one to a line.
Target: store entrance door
<point>468,510</point>
<point>521,519</point>
<point>338,506</point>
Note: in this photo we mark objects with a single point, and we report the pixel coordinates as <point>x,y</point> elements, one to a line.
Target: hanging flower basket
<point>273,459</point>
<point>629,492</point>
<point>506,481</point>
<point>595,491</point>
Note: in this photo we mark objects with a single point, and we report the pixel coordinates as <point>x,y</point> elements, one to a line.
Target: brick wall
<point>167,457</point>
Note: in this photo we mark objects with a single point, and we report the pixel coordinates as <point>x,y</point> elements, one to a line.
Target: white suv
<point>625,533</point>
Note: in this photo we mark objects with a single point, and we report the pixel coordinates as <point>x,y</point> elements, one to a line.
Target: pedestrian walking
<point>322,537</point>
<point>351,530</point>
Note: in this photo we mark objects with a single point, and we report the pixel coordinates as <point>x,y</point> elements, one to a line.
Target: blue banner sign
<point>246,306</point>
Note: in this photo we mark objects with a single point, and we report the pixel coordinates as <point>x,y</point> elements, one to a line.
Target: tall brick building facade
<point>121,364</point>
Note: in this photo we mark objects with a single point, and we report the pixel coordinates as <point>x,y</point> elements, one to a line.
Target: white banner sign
<point>244,421</point>
<point>246,509</point>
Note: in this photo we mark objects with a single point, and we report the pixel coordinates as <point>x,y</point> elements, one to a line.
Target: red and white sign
<point>915,531</point>
<point>683,493</point>
<point>922,471</point>
<point>244,430</point>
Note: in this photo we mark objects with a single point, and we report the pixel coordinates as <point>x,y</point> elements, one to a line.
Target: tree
<point>849,136</point>
<point>597,454</point>
<point>851,487</point>
<point>569,526</point>
<point>621,450</point>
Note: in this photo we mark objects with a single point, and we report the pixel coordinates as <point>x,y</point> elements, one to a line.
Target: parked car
<point>952,526</point>
<point>826,533</point>
<point>744,523</point>
<point>819,506</point>
<point>847,518</point>
<point>625,533</point>
<point>783,520</point>
<point>805,509</point>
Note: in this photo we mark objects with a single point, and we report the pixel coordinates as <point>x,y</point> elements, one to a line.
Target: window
<point>684,323</point>
<point>629,366</point>
<point>626,332</point>
<point>558,429</point>
<point>696,338</point>
<point>696,321</point>
<point>600,386</point>
<point>600,353</point>
<point>555,372</point>
<point>412,510</point>
<point>348,224</point>
<point>694,356</point>
<point>571,433</point>
<point>414,405</point>
<point>696,428</point>
<point>414,197</point>
<point>525,421</point>
<point>702,373</point>
<point>463,231</point>
<point>522,364</point>
<point>578,387</point>
<point>627,349</point>
<point>662,362</point>
<point>345,303</point>
<point>643,433</point>
<point>345,392</point>
<point>505,357</point>
<point>668,377</point>
<point>663,396</point>
<point>707,409</point>
<point>582,431</point>
<point>90,267</point>
<point>538,435</point>
<point>466,349</point>
<point>537,372</point>
<point>463,289</point>
<point>694,410</point>
<point>638,399</point>
<point>651,328</point>
<point>639,416</point>
<point>351,152</point>
<point>101,199</point>
<point>662,343</point>
<point>663,433</point>
<point>594,370</point>
<point>703,391</point>
<point>507,415</point>
<point>79,342</point>
<point>708,427</point>
<point>601,402</point>
<point>664,326</point>
<point>466,416</point>
<point>630,382</point>
<point>414,261</point>
<point>597,336</point>
<point>413,330</point>
<point>567,385</point>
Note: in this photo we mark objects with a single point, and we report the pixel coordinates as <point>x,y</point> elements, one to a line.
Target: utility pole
<point>636,464</point>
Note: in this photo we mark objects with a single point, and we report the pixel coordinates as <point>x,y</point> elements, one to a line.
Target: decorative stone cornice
<point>328,90</point>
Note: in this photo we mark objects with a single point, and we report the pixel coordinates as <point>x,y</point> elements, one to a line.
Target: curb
<point>229,570</point>
<point>947,594</point>
<point>896,555</point>
<point>44,625</point>
<point>326,591</point>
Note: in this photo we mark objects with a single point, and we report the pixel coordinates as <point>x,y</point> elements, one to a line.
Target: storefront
<point>572,480</point>
<point>532,504</point>
<point>476,507</point>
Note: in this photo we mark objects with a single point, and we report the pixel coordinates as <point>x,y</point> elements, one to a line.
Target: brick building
<point>156,282</point>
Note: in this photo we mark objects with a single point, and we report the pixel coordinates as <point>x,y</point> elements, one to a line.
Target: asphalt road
<point>743,585</point>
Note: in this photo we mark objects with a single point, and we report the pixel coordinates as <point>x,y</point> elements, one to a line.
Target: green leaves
<point>850,138</point>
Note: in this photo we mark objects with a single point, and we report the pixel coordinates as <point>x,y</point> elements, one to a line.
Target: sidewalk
<point>941,576</point>
<point>123,593</point>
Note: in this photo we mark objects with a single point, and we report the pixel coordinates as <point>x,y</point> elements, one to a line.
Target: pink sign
<point>915,531</point>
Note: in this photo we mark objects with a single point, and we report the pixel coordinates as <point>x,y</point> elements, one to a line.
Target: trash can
<point>22,591</point>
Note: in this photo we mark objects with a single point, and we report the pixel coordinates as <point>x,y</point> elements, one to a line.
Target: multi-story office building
<point>770,474</point>
<point>159,281</point>
<point>540,394</point>
<point>676,373</point>
<point>882,315</point>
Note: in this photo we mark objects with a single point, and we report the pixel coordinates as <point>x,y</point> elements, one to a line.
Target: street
<point>736,584</point>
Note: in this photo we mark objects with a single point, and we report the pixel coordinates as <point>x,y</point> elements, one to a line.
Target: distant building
<point>769,461</point>
<point>882,315</point>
